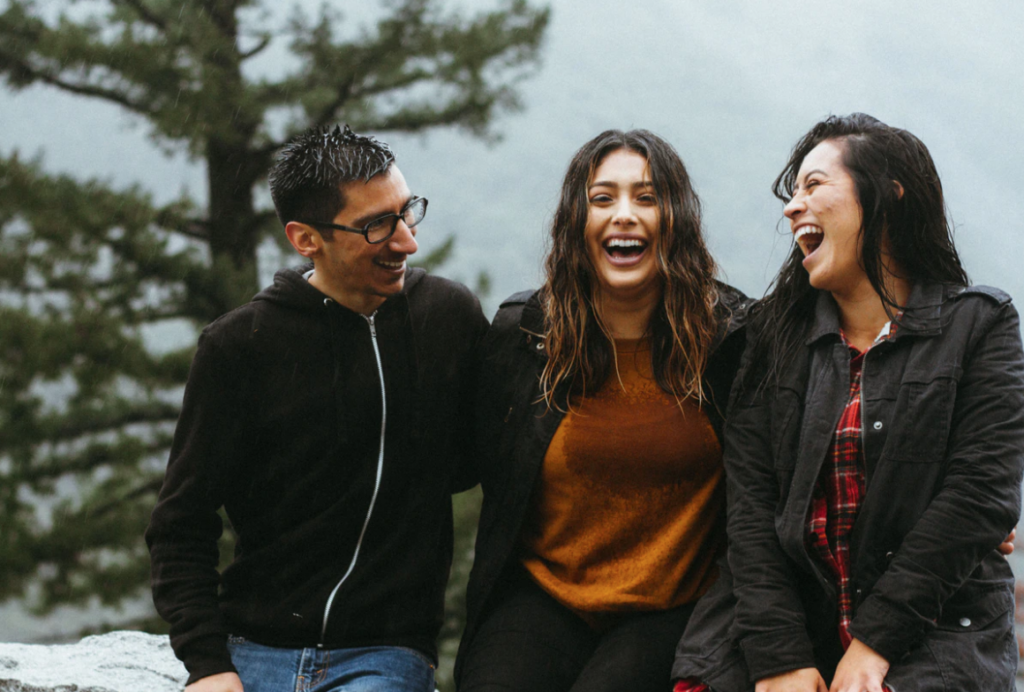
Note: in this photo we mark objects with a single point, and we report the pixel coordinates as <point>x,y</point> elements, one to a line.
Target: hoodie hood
<point>291,289</point>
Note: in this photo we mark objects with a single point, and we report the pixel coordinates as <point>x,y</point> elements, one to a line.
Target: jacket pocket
<point>972,648</point>
<point>974,642</point>
<point>920,425</point>
<point>975,606</point>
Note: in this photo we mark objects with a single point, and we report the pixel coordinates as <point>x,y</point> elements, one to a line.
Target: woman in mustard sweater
<point>600,413</point>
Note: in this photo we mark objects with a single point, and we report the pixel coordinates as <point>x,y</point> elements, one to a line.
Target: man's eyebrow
<point>374,215</point>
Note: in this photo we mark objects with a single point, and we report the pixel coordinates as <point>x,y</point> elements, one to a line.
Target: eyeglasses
<point>383,227</point>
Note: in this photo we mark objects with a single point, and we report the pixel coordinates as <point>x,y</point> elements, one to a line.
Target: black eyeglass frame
<point>365,231</point>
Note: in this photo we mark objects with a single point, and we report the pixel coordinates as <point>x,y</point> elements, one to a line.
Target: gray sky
<point>731,83</point>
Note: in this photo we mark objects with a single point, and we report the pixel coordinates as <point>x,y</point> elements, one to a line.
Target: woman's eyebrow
<point>609,183</point>
<point>808,174</point>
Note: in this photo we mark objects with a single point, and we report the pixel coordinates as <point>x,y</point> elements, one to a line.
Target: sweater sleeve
<point>185,526</point>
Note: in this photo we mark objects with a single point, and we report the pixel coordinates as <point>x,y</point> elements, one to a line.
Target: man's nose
<point>403,240</point>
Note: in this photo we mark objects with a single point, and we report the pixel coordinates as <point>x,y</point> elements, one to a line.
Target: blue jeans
<point>366,669</point>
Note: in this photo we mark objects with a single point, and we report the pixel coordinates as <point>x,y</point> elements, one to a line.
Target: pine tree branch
<point>264,42</point>
<point>89,459</point>
<point>151,487</point>
<point>329,112</point>
<point>74,427</point>
<point>144,13</point>
<point>28,73</point>
<point>191,228</point>
<point>222,12</point>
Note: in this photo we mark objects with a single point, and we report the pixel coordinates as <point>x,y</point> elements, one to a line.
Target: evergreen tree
<point>92,277</point>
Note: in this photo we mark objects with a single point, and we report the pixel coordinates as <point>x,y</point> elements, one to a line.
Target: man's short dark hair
<point>306,179</point>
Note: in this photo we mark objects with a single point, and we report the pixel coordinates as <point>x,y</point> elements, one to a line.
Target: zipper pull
<point>373,327</point>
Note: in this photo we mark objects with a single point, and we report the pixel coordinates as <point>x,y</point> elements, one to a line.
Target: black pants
<point>528,642</point>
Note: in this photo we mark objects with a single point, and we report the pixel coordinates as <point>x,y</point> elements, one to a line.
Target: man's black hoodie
<point>282,426</point>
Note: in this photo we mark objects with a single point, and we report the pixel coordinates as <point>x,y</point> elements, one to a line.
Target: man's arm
<point>467,470</point>
<point>185,526</point>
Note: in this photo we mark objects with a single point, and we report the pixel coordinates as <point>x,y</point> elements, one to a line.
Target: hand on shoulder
<point>221,682</point>
<point>800,680</point>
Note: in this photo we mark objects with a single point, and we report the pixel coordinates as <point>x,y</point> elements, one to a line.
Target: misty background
<point>731,84</point>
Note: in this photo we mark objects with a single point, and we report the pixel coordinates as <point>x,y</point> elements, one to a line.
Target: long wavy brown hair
<point>581,352</point>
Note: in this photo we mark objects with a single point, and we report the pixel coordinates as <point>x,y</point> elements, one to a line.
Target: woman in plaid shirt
<point>874,448</point>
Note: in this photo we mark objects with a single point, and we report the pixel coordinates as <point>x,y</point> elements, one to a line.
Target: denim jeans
<point>366,669</point>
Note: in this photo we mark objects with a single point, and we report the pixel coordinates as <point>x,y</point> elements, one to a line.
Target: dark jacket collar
<point>921,317</point>
<point>532,319</point>
<point>291,289</point>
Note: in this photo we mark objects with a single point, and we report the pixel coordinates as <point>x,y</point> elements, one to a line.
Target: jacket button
<point>877,425</point>
<point>965,622</point>
<point>890,555</point>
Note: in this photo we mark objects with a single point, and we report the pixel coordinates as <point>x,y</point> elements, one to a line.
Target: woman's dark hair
<point>910,217</point>
<point>580,350</point>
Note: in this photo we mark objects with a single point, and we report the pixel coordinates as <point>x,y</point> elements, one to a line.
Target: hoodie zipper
<point>376,486</point>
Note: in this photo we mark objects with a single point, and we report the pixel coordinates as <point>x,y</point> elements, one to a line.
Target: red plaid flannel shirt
<point>836,501</point>
<point>839,492</point>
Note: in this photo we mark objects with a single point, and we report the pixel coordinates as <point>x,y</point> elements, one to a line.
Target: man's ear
<point>306,240</point>
<point>899,189</point>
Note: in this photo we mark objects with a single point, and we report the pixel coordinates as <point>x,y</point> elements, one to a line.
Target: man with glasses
<point>329,419</point>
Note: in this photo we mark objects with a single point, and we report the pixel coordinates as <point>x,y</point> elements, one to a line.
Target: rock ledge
<point>115,662</point>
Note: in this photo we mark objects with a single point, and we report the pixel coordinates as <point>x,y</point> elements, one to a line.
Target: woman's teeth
<point>809,238</point>
<point>624,247</point>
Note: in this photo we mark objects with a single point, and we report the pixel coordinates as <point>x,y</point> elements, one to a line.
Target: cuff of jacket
<point>205,657</point>
<point>889,632</point>
<point>777,652</point>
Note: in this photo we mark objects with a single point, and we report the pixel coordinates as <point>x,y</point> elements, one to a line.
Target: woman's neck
<point>862,315</point>
<point>626,317</point>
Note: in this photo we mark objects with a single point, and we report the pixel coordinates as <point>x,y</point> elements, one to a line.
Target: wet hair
<point>581,353</point>
<point>306,179</point>
<point>913,223</point>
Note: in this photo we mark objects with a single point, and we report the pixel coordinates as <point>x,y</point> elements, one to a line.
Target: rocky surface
<point>138,662</point>
<point>115,662</point>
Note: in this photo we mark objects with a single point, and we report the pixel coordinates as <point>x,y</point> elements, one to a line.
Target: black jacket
<point>514,428</point>
<point>282,426</point>
<point>943,438</point>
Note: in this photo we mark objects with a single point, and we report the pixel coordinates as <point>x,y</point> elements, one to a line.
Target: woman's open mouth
<point>624,251</point>
<point>809,238</point>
